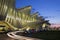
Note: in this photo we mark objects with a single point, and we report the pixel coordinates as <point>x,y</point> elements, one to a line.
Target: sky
<point>46,8</point>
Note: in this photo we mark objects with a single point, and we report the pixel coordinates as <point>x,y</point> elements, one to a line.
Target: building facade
<point>19,18</point>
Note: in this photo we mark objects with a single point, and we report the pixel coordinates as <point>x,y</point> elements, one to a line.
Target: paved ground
<point>46,35</point>
<point>14,36</point>
<point>5,37</point>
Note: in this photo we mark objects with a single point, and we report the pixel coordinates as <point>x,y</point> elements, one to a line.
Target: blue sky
<point>46,8</point>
